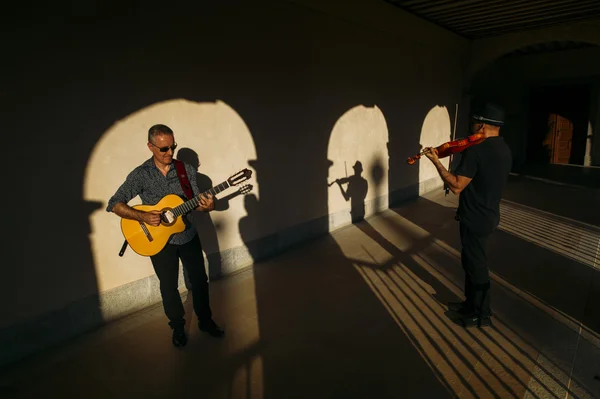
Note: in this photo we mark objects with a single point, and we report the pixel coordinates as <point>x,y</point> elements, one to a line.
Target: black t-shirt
<point>488,164</point>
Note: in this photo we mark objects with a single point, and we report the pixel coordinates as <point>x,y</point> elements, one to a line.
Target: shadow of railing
<point>496,345</point>
<point>432,320</point>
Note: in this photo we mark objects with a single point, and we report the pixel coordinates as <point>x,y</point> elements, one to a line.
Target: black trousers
<point>477,275</point>
<point>166,266</point>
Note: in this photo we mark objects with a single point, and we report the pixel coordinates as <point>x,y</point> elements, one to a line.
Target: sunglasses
<point>165,149</point>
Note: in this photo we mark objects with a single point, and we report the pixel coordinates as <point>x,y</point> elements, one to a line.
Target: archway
<point>358,175</point>
<point>486,51</point>
<point>122,148</point>
<point>436,129</point>
<point>550,94</point>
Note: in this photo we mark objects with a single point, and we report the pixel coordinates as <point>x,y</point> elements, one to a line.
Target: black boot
<point>463,308</point>
<point>211,328</point>
<point>480,314</point>
<point>458,306</point>
<point>179,337</point>
<point>475,320</point>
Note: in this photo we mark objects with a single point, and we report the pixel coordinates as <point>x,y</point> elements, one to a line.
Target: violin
<point>451,147</point>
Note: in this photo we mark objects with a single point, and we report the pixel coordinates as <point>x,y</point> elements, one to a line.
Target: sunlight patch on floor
<point>491,362</point>
<point>564,236</point>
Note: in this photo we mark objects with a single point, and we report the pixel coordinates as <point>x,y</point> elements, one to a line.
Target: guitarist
<point>152,180</point>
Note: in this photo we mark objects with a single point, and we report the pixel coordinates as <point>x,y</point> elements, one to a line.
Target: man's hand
<point>456,183</point>
<point>432,154</point>
<point>206,203</point>
<point>125,211</point>
<point>152,218</point>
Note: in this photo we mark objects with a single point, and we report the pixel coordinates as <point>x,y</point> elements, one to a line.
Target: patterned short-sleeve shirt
<point>151,185</point>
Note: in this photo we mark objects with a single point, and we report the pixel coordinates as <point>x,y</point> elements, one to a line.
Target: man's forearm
<point>127,212</point>
<point>446,176</point>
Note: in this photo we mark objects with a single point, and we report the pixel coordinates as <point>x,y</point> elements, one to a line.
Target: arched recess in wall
<point>486,51</point>
<point>480,62</point>
<point>359,165</point>
<point>213,130</point>
<point>436,130</point>
<point>557,74</point>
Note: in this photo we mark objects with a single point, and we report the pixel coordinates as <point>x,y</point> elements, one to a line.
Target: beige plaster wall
<point>435,131</point>
<point>358,147</point>
<point>213,130</point>
<point>381,16</point>
<point>283,88</point>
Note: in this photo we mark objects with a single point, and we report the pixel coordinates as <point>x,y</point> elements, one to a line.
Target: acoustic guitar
<point>147,240</point>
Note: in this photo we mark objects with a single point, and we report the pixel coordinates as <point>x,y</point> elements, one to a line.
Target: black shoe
<point>457,306</point>
<point>179,337</point>
<point>211,328</point>
<point>476,321</point>
<point>462,308</point>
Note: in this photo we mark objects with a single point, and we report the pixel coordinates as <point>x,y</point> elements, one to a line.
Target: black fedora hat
<point>489,113</point>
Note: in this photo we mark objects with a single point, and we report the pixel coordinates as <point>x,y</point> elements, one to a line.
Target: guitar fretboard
<point>192,204</point>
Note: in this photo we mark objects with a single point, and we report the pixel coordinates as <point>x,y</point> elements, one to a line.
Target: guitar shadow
<point>207,229</point>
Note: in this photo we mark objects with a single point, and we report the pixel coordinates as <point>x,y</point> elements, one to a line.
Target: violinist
<point>479,179</point>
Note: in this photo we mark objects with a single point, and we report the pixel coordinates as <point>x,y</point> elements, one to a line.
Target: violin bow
<point>446,187</point>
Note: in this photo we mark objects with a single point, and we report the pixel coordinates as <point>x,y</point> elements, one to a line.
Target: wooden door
<point>559,139</point>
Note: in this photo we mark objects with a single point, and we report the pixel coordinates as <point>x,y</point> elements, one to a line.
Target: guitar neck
<point>192,204</point>
<point>217,189</point>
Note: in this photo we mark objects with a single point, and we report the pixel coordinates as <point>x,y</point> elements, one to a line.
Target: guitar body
<point>149,240</point>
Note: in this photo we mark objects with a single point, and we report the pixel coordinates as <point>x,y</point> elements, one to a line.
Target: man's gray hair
<point>157,130</point>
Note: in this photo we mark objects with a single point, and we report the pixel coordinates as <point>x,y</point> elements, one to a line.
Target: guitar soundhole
<point>167,217</point>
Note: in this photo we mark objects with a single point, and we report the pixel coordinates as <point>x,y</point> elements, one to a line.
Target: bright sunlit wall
<point>213,130</point>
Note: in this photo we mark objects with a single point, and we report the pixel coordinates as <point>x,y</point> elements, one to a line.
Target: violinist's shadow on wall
<point>355,192</point>
<point>207,230</point>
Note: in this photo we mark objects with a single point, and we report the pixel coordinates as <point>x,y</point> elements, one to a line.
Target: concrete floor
<point>361,314</point>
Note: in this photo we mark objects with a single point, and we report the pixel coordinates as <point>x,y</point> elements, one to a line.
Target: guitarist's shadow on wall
<point>207,231</point>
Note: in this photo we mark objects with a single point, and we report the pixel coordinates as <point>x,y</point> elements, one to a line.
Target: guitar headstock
<point>239,177</point>
<point>245,189</point>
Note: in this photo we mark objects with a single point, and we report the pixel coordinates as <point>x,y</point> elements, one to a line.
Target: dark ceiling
<point>476,19</point>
